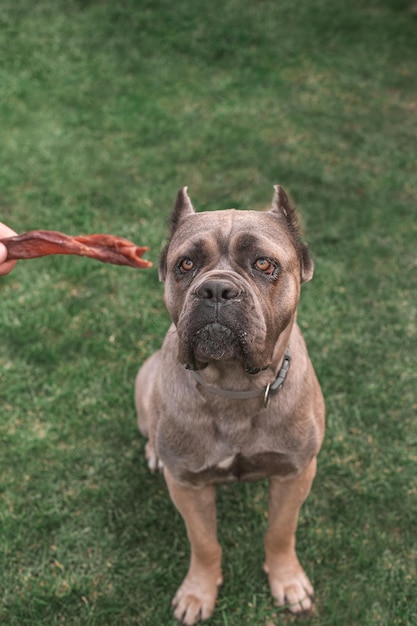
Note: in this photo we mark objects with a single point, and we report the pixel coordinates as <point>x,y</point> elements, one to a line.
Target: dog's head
<point>232,280</point>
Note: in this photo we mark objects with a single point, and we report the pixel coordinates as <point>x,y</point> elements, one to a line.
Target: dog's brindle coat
<point>232,286</point>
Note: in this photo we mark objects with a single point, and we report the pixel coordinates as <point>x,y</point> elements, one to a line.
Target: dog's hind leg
<point>289,584</point>
<point>144,392</point>
<point>145,408</point>
<point>196,598</point>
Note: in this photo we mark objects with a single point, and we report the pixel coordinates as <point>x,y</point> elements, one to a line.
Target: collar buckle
<point>266,395</point>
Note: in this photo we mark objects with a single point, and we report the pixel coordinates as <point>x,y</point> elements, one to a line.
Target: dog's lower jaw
<point>194,360</point>
<point>249,368</point>
<point>253,370</point>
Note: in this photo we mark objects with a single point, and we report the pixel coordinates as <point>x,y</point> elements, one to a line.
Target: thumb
<point>3,253</point>
<point>5,266</point>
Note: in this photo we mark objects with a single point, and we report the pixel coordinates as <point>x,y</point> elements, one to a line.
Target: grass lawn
<point>106,109</point>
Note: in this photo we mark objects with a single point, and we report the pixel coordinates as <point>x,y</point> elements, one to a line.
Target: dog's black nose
<point>218,291</point>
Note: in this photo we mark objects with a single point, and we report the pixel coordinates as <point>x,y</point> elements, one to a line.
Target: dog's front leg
<point>289,584</point>
<point>196,598</point>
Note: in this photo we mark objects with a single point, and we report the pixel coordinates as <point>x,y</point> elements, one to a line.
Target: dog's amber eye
<point>265,266</point>
<point>186,265</point>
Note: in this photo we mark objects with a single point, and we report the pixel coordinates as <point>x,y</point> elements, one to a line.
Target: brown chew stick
<point>104,248</point>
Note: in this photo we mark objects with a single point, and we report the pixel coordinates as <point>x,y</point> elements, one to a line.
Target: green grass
<point>106,109</point>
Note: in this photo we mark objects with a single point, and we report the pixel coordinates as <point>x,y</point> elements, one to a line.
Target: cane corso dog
<point>232,394</point>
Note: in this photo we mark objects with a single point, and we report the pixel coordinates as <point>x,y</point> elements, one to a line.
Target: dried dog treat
<point>104,248</point>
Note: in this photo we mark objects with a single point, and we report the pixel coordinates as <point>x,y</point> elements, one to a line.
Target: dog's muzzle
<point>217,335</point>
<point>212,325</point>
<point>222,320</point>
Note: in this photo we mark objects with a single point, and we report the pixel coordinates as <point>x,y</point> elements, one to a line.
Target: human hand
<point>5,266</point>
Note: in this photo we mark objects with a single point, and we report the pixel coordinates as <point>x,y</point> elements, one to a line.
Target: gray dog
<point>232,394</point>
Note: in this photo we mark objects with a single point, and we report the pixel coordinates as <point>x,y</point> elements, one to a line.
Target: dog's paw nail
<point>155,465</point>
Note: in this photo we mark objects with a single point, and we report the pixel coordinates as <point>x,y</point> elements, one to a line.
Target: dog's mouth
<point>216,342</point>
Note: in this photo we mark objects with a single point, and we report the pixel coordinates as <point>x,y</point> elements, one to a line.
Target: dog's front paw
<point>154,463</point>
<point>195,600</point>
<point>290,587</point>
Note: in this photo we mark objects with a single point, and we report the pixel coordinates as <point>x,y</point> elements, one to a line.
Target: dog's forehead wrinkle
<point>200,245</point>
<point>258,242</point>
<point>225,222</point>
<point>233,230</point>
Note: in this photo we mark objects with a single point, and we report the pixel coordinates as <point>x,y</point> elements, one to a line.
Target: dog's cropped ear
<point>183,208</point>
<point>284,209</point>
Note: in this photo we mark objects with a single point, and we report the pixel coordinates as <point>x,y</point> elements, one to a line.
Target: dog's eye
<point>186,265</point>
<point>265,266</point>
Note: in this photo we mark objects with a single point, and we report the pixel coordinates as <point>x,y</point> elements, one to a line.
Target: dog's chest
<point>238,452</point>
<point>239,467</point>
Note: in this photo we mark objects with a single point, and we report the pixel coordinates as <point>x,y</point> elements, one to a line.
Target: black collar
<point>265,392</point>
